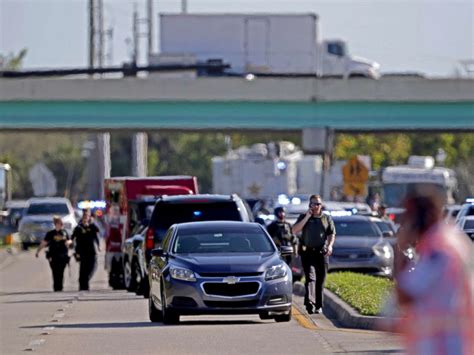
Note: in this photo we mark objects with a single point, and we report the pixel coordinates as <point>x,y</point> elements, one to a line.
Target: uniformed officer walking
<point>318,235</point>
<point>281,232</point>
<point>87,243</point>
<point>58,242</point>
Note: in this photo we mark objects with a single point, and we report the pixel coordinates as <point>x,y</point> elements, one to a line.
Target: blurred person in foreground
<point>57,241</point>
<point>86,237</point>
<point>435,299</point>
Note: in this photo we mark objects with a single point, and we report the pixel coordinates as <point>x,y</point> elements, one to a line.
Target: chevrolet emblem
<point>231,280</point>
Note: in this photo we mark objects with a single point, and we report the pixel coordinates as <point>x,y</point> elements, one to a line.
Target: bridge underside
<point>241,115</point>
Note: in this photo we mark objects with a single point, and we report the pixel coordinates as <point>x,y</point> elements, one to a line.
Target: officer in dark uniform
<point>58,242</point>
<point>86,239</point>
<point>281,232</point>
<point>318,235</point>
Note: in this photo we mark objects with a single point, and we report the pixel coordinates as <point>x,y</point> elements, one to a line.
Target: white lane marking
<point>36,342</point>
<point>58,315</point>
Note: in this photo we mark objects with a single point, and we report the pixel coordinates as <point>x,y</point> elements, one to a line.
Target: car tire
<point>132,284</point>
<point>116,275</point>
<point>143,287</point>
<point>283,318</point>
<point>153,313</point>
<point>264,316</point>
<point>127,274</point>
<point>168,316</point>
<point>140,281</point>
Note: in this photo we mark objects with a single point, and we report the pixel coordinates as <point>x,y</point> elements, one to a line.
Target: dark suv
<point>171,210</point>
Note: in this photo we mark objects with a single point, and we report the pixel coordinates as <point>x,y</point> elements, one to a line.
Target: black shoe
<point>310,310</point>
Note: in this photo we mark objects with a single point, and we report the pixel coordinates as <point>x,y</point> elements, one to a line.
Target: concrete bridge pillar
<point>139,154</point>
<point>320,141</point>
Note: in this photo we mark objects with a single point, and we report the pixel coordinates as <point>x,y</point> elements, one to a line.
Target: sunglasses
<point>315,204</point>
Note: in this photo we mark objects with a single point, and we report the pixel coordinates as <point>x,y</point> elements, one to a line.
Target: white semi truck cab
<point>338,62</point>
<point>260,44</point>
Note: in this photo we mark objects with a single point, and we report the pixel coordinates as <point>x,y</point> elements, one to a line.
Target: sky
<point>427,36</point>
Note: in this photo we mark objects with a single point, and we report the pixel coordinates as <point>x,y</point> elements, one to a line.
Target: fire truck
<point>119,193</point>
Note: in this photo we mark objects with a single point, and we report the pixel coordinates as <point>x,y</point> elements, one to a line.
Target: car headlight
<point>275,272</point>
<point>383,249</point>
<point>182,274</point>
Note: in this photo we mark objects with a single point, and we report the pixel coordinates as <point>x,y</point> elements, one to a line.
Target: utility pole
<point>150,18</point>
<point>97,34</point>
<point>136,39</point>
<point>91,44</point>
<point>101,33</point>
<point>184,6</point>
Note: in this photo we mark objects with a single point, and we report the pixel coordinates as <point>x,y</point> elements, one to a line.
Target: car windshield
<point>48,208</point>
<point>166,215</point>
<point>207,242</point>
<point>395,193</point>
<point>469,224</point>
<point>356,229</point>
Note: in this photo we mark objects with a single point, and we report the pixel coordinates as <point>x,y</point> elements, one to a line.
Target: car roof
<point>356,218</point>
<point>219,225</point>
<point>202,198</point>
<point>36,200</point>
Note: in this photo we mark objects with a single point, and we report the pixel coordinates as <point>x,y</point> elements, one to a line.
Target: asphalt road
<point>102,321</point>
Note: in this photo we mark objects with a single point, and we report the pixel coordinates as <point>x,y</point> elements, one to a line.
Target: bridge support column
<point>139,154</point>
<point>97,149</point>
<point>320,141</point>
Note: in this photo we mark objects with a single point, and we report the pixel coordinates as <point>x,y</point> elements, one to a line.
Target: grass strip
<point>365,293</point>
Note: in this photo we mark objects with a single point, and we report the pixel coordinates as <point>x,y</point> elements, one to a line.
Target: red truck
<point>119,191</point>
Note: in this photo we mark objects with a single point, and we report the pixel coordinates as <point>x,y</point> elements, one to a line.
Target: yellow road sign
<point>355,189</point>
<point>355,172</point>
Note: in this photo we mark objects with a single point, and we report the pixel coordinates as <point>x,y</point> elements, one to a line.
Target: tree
<point>13,61</point>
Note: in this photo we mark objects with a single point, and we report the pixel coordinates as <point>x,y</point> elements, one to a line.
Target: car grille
<point>232,304</point>
<point>231,290</point>
<point>353,254</point>
<point>225,274</point>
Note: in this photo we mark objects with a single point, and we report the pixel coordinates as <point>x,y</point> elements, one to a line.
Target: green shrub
<point>365,293</point>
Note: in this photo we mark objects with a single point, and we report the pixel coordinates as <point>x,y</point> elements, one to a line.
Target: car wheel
<point>127,274</point>
<point>132,283</point>
<point>283,318</point>
<point>116,275</point>
<point>154,314</point>
<point>146,287</point>
<point>169,316</point>
<point>139,290</point>
<point>264,316</point>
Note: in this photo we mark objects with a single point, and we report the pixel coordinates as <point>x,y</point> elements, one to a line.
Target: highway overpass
<point>392,104</point>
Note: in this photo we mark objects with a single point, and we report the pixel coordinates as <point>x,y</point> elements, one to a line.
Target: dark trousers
<point>315,266</point>
<point>58,264</point>
<point>86,270</point>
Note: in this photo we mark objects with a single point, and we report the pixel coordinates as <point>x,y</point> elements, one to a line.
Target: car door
<point>158,264</point>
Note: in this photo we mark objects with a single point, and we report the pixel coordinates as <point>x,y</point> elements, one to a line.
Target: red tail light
<point>150,239</point>
<point>392,216</point>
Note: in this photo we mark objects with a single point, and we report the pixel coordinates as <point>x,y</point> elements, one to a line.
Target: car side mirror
<point>387,234</point>
<point>158,252</point>
<point>286,250</point>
